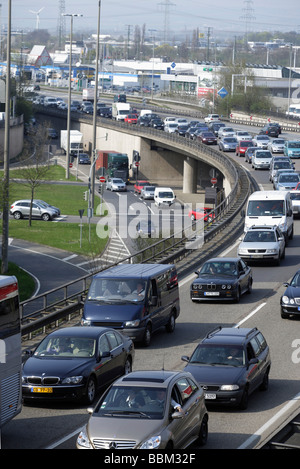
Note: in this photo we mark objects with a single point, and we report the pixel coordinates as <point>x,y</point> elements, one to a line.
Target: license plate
<point>211,293</point>
<point>210,396</point>
<point>42,390</point>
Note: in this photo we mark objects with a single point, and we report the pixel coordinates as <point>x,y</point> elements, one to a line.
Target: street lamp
<point>71,16</point>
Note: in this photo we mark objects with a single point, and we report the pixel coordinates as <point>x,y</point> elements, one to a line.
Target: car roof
<point>230,335</point>
<point>223,259</point>
<point>152,378</point>
<point>262,227</point>
<point>142,271</point>
<point>79,331</point>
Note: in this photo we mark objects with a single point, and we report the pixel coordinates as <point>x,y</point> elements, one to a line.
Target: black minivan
<point>136,299</point>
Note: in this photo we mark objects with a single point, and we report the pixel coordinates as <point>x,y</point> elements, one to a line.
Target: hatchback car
<point>242,147</point>
<point>290,300</point>
<point>222,278</point>
<point>249,154</point>
<point>287,181</point>
<point>276,145</point>
<point>138,412</point>
<point>21,209</point>
<point>138,186</point>
<point>84,158</point>
<point>208,138</point>
<point>131,119</point>
<point>261,141</point>
<point>226,132</point>
<point>271,130</point>
<point>228,144</point>
<point>230,364</point>
<point>205,213</point>
<point>74,362</point>
<point>243,135</point>
<point>282,163</point>
<point>147,192</point>
<point>295,198</point>
<point>262,243</point>
<point>277,173</point>
<point>116,184</point>
<point>261,159</point>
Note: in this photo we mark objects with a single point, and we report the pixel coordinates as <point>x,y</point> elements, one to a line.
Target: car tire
<point>245,399</point>
<point>250,284</point>
<point>238,295</point>
<point>265,382</point>
<point>170,326</point>
<point>18,215</point>
<point>90,390</point>
<point>147,336</point>
<point>46,217</point>
<point>128,366</point>
<point>203,433</point>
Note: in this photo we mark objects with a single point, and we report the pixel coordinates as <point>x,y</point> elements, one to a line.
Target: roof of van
<point>273,195</point>
<point>135,270</point>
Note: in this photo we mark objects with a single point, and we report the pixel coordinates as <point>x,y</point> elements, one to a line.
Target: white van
<point>164,196</point>
<point>271,208</point>
<point>145,112</point>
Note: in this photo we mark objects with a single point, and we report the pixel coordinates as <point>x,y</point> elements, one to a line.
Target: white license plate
<point>210,396</point>
<point>211,293</point>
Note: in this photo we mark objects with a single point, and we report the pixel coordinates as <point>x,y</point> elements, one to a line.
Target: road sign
<point>102,179</point>
<point>214,180</point>
<point>137,163</point>
<point>70,165</point>
<point>223,92</point>
<point>173,64</point>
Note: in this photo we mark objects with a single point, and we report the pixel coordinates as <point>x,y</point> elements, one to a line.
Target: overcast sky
<point>182,15</point>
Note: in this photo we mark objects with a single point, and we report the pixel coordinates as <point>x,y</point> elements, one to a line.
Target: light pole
<point>153,40</point>
<point>71,16</point>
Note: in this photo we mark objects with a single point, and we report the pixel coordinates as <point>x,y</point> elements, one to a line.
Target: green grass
<point>25,282</point>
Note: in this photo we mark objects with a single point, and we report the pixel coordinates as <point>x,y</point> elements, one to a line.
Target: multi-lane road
<point>57,425</point>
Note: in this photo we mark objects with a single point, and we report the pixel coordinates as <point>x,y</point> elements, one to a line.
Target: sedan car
<point>243,135</point>
<point>147,192</point>
<point>242,147</point>
<point>276,145</point>
<point>222,278</point>
<point>295,198</point>
<point>84,158</point>
<point>181,129</point>
<point>215,126</point>
<point>208,138</point>
<point>230,364</point>
<point>21,209</point>
<point>289,302</point>
<point>202,213</point>
<point>157,123</point>
<point>287,181</point>
<point>271,130</point>
<point>262,243</point>
<point>226,132</point>
<point>74,362</point>
<point>276,164</point>
<point>261,141</point>
<point>249,154</point>
<point>151,410</point>
<point>227,144</point>
<point>116,184</point>
<point>139,186</point>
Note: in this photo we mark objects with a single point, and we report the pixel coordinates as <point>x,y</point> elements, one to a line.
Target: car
<point>170,127</point>
<point>275,124</point>
<point>45,204</point>
<point>76,104</point>
<point>222,278</point>
<point>151,410</point>
<point>169,119</point>
<point>262,243</point>
<point>243,135</point>
<point>226,132</point>
<point>72,363</point>
<point>181,121</point>
<point>147,192</point>
<point>105,112</point>
<point>212,118</point>
<point>283,163</point>
<point>205,213</point>
<point>62,106</point>
<point>144,121</point>
<point>157,123</point>
<point>191,132</point>
<point>261,141</point>
<point>215,126</point>
<point>21,209</point>
<point>249,153</point>
<point>295,198</point>
<point>270,130</point>
<point>289,301</point>
<point>287,181</point>
<point>261,159</point>
<point>242,147</point>
<point>208,138</point>
<point>52,133</point>
<point>181,129</point>
<point>116,184</point>
<point>83,158</point>
<point>227,144</point>
<point>280,171</point>
<point>230,363</point>
<point>131,119</point>
<point>87,108</point>
<point>146,229</point>
<point>138,186</point>
<point>276,145</point>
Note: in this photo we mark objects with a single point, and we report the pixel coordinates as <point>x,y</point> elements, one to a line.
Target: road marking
<point>62,440</point>
<point>250,314</point>
<point>69,257</point>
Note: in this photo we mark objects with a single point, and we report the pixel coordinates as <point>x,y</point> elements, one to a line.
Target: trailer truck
<point>76,144</point>
<point>112,164</point>
<point>120,111</point>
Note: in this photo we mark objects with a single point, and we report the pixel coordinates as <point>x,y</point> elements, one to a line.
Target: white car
<point>211,118</point>
<point>243,135</point>
<point>169,119</point>
<point>262,243</point>
<point>261,159</point>
<point>116,184</point>
<point>170,127</point>
<point>277,145</point>
<point>226,132</point>
<point>261,141</point>
<point>295,198</point>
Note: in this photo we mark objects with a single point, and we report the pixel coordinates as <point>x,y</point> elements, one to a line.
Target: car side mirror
<point>153,301</point>
<point>102,355</point>
<point>185,358</point>
<point>177,415</point>
<point>253,361</point>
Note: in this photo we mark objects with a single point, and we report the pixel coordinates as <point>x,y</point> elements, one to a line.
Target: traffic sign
<point>173,64</point>
<point>102,179</point>
<point>137,163</point>
<point>214,180</point>
<point>223,92</point>
<point>70,165</point>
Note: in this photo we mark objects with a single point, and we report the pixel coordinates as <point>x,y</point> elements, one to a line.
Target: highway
<point>57,425</point>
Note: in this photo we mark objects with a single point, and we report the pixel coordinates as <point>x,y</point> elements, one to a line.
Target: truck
<point>120,111</point>
<point>88,94</point>
<point>76,145</point>
<point>112,164</point>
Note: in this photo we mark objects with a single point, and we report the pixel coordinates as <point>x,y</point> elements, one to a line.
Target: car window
<point>255,346</point>
<point>262,341</point>
<point>186,389</point>
<point>103,344</point>
<point>113,340</point>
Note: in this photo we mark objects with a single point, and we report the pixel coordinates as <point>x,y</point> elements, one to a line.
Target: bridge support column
<point>189,185</point>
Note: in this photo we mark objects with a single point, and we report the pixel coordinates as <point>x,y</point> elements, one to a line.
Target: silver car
<point>21,209</point>
<point>151,410</point>
<point>277,145</point>
<point>280,171</point>
<point>116,184</point>
<point>262,243</point>
<point>284,163</point>
<point>261,159</point>
<point>147,192</point>
<point>261,141</point>
<point>287,181</point>
<point>228,144</point>
<point>295,198</point>
<point>226,132</point>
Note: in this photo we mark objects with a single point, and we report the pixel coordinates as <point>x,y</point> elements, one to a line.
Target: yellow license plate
<point>42,390</point>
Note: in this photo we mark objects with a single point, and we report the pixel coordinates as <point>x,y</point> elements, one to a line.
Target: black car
<point>290,300</point>
<point>74,362</point>
<point>157,124</point>
<point>270,130</point>
<point>84,158</point>
<point>52,133</point>
<point>229,364</point>
<point>215,126</point>
<point>182,129</point>
<point>222,278</point>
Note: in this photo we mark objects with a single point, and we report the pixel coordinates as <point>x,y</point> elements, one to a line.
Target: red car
<point>242,147</point>
<point>297,188</point>
<point>139,186</point>
<point>131,119</point>
<point>208,138</point>
<point>199,213</point>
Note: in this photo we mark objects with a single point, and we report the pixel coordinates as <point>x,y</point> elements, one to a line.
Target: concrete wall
<point>16,137</point>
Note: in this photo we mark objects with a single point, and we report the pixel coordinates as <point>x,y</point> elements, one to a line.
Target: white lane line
<point>62,440</point>
<point>69,257</point>
<point>250,314</point>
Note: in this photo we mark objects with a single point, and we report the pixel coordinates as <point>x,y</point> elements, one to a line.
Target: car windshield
<point>260,237</point>
<point>278,142</point>
<point>296,280</point>
<point>230,140</point>
<point>226,355</point>
<point>295,196</point>
<point>294,144</point>
<point>132,402</point>
<point>118,181</point>
<point>288,178</point>
<point>66,347</point>
<point>266,208</point>
<point>117,290</point>
<point>282,165</point>
<point>262,137</point>
<point>149,188</point>
<point>263,154</point>
<point>218,268</point>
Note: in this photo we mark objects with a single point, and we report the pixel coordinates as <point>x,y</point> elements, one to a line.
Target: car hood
<point>123,428</point>
<point>214,374</point>
<point>249,245</point>
<point>53,366</point>
<point>218,278</point>
<point>292,292</point>
<point>112,311</point>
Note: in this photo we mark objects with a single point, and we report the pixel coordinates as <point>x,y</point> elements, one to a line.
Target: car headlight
<point>151,443</point>
<point>226,287</point>
<point>134,323</point>
<point>229,387</point>
<point>85,322</point>
<point>272,251</point>
<point>286,300</point>
<point>83,440</point>
<point>72,380</point>
<point>242,251</point>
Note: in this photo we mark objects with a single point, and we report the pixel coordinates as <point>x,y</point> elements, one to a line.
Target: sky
<point>182,15</point>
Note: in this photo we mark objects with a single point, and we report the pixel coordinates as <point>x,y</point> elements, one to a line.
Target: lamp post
<point>71,16</point>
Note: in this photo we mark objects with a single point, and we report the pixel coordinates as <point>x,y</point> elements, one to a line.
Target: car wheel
<point>147,336</point>
<point>170,326</point>
<point>291,233</point>
<point>283,254</point>
<point>238,295</point>
<point>17,215</point>
<point>203,433</point>
<point>127,367</point>
<point>250,283</point>
<point>245,399</point>
<point>91,390</point>
<point>46,217</point>
<point>265,382</point>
